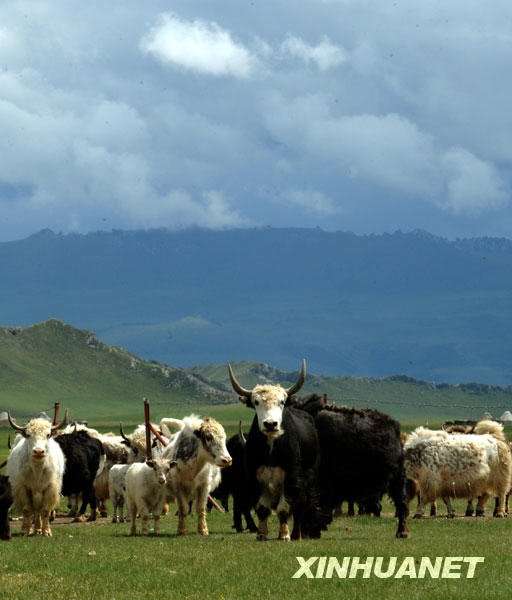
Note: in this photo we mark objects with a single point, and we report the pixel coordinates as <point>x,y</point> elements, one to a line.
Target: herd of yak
<point>300,459</point>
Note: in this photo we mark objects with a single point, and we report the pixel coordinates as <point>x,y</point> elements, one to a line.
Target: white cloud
<point>389,150</point>
<point>178,208</point>
<point>311,201</point>
<point>325,54</point>
<point>473,185</point>
<point>197,46</point>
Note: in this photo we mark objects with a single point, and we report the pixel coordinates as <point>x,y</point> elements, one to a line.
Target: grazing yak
<point>85,458</point>
<point>199,450</point>
<point>5,503</point>
<point>282,457</point>
<point>361,459</point>
<point>459,466</point>
<point>35,469</point>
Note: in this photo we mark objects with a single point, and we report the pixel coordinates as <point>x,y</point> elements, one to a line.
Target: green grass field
<point>101,561</point>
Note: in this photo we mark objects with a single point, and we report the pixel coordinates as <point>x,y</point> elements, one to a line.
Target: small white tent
<point>506,417</point>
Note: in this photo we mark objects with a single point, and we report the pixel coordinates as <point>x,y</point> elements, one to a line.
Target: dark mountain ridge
<point>367,305</point>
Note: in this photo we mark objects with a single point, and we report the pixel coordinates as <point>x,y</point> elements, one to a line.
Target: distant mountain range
<point>371,306</point>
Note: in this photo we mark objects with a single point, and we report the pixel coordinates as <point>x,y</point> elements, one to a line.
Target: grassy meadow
<point>102,561</point>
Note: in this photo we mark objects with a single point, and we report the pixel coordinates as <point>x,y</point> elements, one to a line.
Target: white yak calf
<point>146,491</point>
<point>116,489</point>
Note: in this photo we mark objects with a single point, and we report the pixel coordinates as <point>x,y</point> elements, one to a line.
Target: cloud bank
<point>345,115</point>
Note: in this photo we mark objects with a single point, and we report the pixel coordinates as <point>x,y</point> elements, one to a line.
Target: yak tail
<point>166,422</point>
<point>492,428</point>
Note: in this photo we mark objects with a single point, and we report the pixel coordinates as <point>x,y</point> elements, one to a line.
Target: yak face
<point>161,468</point>
<point>212,437</point>
<point>38,434</point>
<point>268,402</point>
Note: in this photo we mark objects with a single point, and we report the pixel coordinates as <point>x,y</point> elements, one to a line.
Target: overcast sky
<point>361,115</point>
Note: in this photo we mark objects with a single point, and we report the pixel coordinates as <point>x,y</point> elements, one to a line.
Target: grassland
<point>101,561</point>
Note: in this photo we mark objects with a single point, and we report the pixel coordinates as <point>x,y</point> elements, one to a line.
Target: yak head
<point>268,401</point>
<point>161,468</point>
<point>212,437</point>
<point>38,433</point>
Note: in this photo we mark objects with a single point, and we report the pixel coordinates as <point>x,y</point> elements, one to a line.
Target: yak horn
<point>14,426</point>
<point>236,386</point>
<point>63,423</point>
<point>300,381</point>
<point>9,442</point>
<point>241,435</point>
<point>122,433</point>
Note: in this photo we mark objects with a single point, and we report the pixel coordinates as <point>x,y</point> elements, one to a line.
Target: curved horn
<point>241,435</point>
<point>236,386</point>
<point>300,381</point>
<point>63,423</point>
<point>9,442</point>
<point>122,433</point>
<point>14,426</point>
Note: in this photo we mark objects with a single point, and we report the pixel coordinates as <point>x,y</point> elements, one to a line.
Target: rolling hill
<point>52,361</point>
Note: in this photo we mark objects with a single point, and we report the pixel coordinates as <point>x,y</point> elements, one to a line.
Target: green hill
<point>53,362</point>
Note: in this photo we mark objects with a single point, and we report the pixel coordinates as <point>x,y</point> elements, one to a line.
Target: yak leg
<point>249,521</point>
<point>201,501</point>
<point>115,504</point>
<point>397,491</point>
<point>480,507</point>
<point>156,519</point>
<point>183,510</point>
<point>469,508</point>
<point>499,510</point>
<point>92,503</point>
<point>433,509</point>
<point>144,517</point>
<point>38,524</point>
<point>132,513</point>
<point>26,527</point>
<point>237,513</point>
<point>450,512</point>
<point>283,512</point>
<point>45,529</point>
<point>263,512</point>
<point>81,513</point>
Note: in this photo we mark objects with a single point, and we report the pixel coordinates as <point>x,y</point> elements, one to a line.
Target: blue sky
<point>357,115</point>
